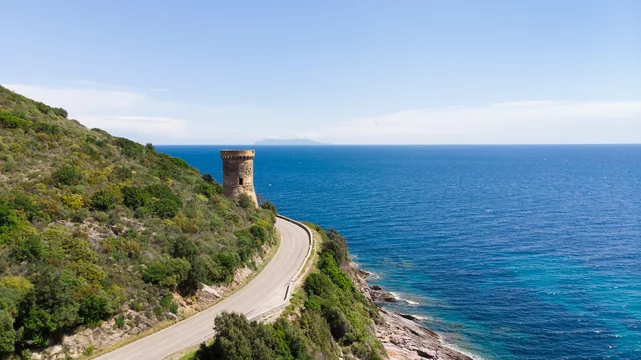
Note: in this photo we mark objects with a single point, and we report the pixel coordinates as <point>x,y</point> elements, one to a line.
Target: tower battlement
<point>237,154</point>
<point>238,173</point>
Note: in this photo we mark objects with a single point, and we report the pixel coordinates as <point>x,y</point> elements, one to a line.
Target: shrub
<point>89,350</point>
<point>122,173</point>
<point>94,308</point>
<point>60,112</point>
<point>130,148</point>
<point>9,121</point>
<point>327,265</point>
<point>68,175</point>
<point>30,249</point>
<point>25,203</point>
<point>165,208</point>
<point>7,333</point>
<point>42,107</point>
<point>73,201</point>
<point>338,323</point>
<point>237,338</point>
<point>38,326</point>
<point>143,212</point>
<point>120,321</point>
<point>102,200</point>
<point>134,197</point>
<point>246,202</point>
<point>166,272</point>
<point>8,217</point>
<point>208,189</point>
<point>162,191</point>
<point>42,127</point>
<point>269,206</point>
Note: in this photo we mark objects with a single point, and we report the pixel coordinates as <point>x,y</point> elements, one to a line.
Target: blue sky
<point>348,72</point>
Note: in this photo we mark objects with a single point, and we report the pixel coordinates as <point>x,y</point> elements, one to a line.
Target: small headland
<point>401,334</point>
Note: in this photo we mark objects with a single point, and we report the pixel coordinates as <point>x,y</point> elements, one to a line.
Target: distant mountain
<point>288,142</point>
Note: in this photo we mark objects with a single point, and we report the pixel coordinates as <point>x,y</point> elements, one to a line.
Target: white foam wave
<point>400,298</point>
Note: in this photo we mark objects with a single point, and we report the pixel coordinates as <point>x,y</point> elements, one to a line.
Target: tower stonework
<point>238,173</point>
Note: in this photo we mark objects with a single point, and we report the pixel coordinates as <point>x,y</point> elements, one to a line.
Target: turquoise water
<point>511,252</point>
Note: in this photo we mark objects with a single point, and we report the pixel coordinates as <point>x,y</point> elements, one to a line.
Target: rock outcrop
<point>400,334</point>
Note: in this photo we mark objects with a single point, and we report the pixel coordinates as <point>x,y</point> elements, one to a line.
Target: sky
<point>341,72</point>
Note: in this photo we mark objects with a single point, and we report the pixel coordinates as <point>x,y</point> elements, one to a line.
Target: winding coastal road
<point>265,292</point>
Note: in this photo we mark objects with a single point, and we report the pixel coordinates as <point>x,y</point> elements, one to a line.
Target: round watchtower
<point>238,173</point>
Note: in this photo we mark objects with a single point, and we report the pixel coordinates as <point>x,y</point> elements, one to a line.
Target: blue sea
<point>510,252</point>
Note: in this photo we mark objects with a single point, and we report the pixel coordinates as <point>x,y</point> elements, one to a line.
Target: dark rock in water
<point>376,287</point>
<point>409,316</point>
<point>387,297</point>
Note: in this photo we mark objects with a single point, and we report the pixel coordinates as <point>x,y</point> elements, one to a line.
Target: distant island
<point>288,142</point>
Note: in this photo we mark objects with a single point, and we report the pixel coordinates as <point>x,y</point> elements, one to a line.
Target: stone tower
<point>238,173</point>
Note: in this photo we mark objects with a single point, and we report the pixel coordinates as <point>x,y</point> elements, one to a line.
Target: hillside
<point>95,227</point>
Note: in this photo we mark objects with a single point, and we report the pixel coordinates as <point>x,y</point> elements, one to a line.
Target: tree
<point>7,333</point>
<point>237,338</point>
<point>94,308</point>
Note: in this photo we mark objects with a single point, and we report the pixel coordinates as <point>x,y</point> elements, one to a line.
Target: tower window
<point>240,181</point>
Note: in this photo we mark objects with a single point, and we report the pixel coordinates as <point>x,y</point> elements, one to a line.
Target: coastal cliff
<point>401,335</point>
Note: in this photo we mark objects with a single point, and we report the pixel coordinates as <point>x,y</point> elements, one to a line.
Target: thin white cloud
<point>528,122</point>
<point>80,101</point>
<point>142,126</point>
<point>143,118</point>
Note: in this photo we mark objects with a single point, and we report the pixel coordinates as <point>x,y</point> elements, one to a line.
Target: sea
<point>509,252</point>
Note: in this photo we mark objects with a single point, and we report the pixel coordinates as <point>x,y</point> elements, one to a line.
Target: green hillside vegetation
<point>92,225</point>
<point>328,319</point>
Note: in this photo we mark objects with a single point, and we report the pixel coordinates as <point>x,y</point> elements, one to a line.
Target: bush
<point>30,249</point>
<point>9,121</point>
<point>327,265</point>
<point>122,173</point>
<point>7,333</point>
<point>102,200</point>
<point>269,206</point>
<point>318,284</point>
<point>208,189</point>
<point>120,322</point>
<point>143,212</point>
<point>8,217</point>
<point>73,201</point>
<point>130,148</point>
<point>162,191</point>
<point>338,323</point>
<point>237,338</point>
<point>166,272</point>
<point>165,208</point>
<point>134,197</point>
<point>68,175</point>
<point>42,107</point>
<point>60,112</point>
<point>93,309</point>
<point>246,202</point>
<point>42,127</point>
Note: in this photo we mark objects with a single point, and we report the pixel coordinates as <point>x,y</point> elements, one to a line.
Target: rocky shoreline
<point>400,334</point>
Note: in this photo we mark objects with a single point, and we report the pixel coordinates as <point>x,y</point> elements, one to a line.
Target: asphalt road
<point>265,292</point>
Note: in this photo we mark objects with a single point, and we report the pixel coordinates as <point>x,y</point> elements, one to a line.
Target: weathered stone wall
<point>238,173</point>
